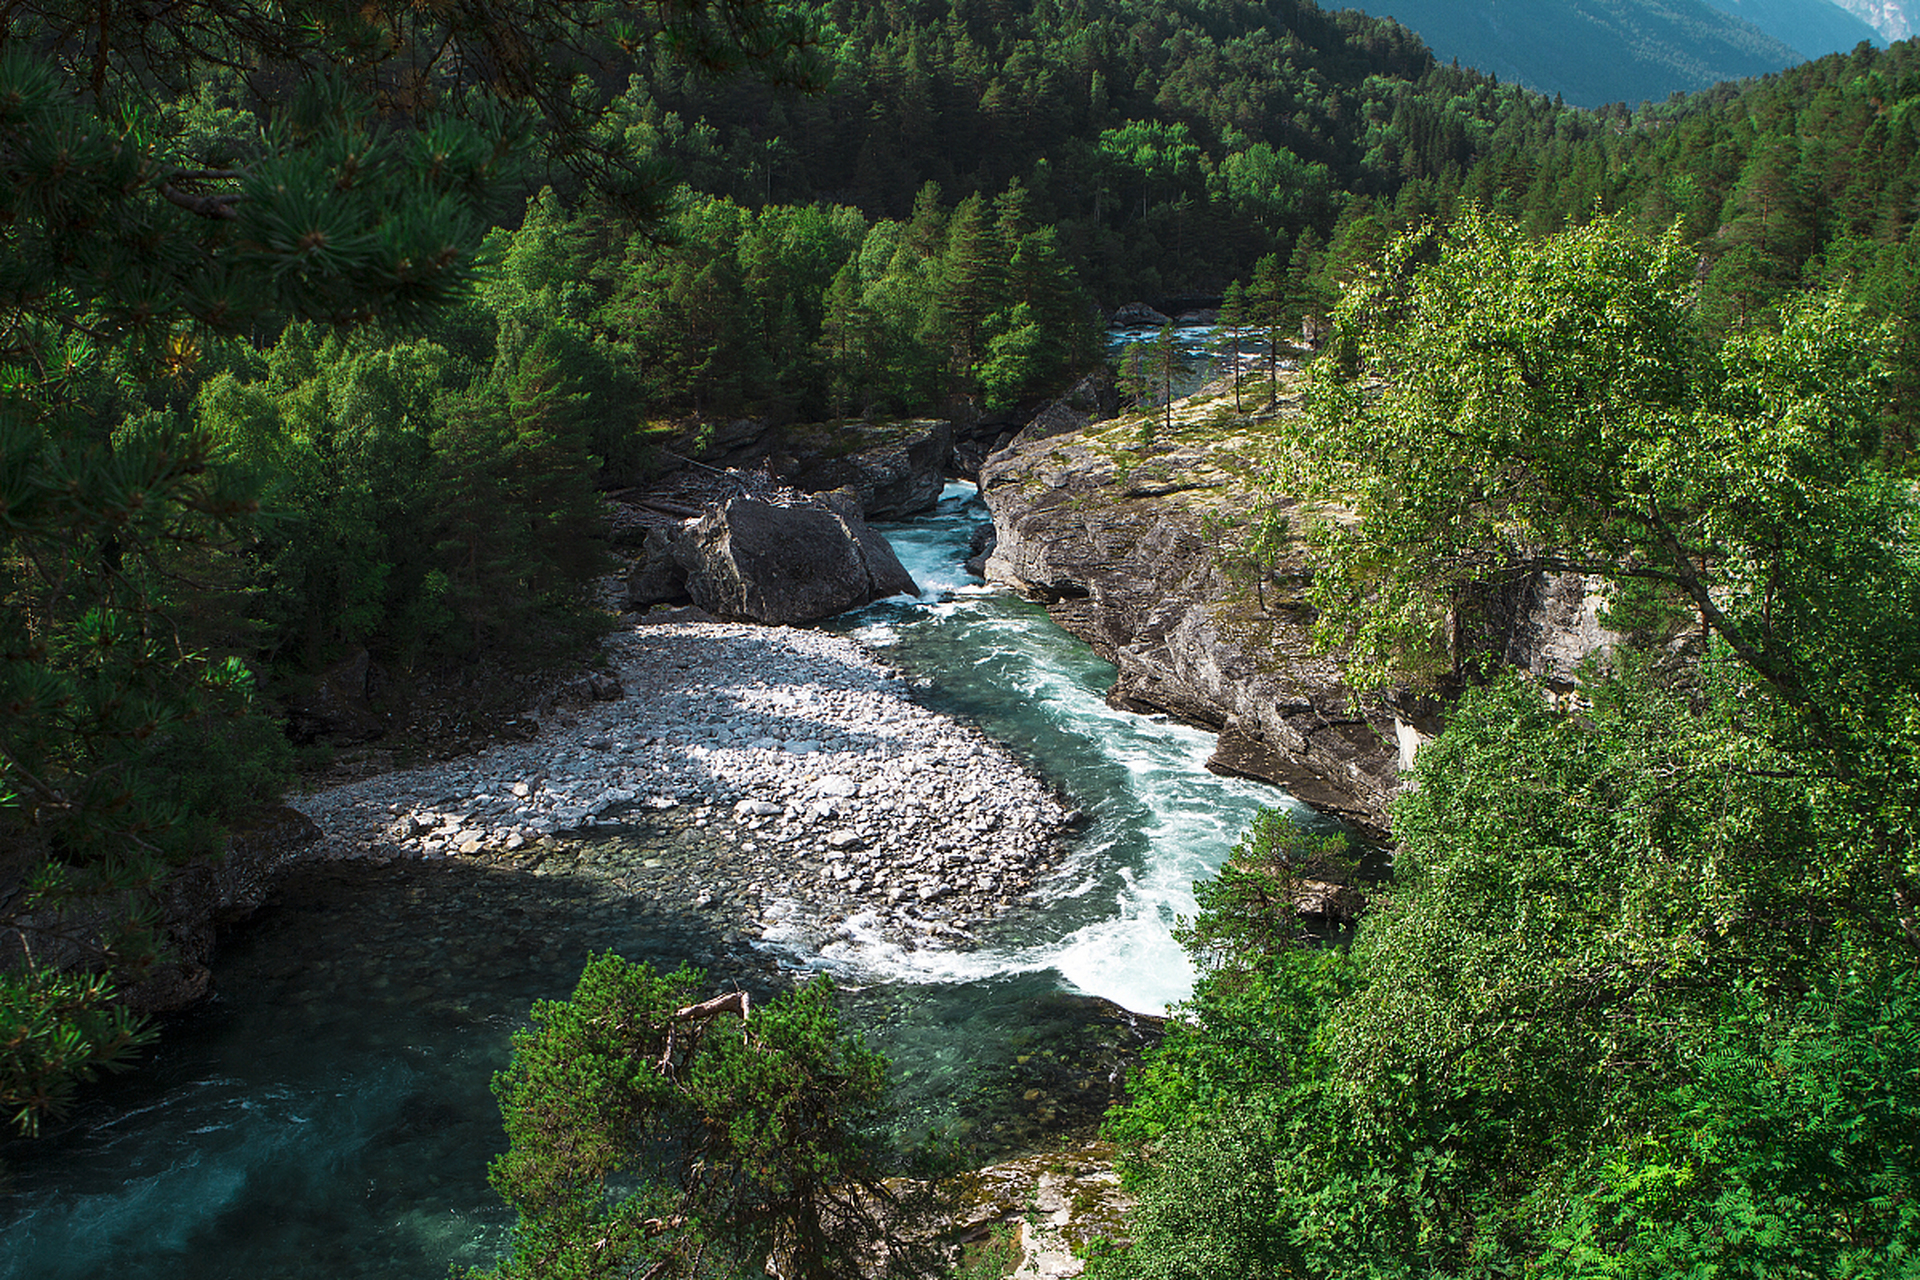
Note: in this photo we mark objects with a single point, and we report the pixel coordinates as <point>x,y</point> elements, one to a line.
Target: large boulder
<point>1138,315</point>
<point>753,561</point>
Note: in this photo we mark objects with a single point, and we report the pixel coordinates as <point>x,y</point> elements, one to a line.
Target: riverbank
<point>823,797</point>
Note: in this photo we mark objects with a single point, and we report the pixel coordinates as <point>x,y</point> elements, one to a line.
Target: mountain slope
<point>1593,52</point>
<point>1893,19</point>
<point>1814,27</point>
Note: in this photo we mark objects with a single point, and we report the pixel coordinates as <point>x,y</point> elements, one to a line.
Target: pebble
<point>802,749</point>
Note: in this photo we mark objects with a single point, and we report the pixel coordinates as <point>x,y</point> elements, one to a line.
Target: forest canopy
<point>328,337</point>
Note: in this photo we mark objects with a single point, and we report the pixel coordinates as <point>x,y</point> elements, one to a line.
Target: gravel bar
<point>802,782</point>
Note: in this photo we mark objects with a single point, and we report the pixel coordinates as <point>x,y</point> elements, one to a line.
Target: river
<point>328,1115</point>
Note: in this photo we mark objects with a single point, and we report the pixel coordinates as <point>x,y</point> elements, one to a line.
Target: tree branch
<point>213,205</point>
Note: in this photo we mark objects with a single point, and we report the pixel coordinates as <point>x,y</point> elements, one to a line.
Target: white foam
<point>1130,878</point>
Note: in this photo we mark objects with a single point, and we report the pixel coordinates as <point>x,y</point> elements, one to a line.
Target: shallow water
<point>329,1114</point>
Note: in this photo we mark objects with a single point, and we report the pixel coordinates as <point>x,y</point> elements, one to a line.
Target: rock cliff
<point>1134,535</point>
<point>1139,536</point>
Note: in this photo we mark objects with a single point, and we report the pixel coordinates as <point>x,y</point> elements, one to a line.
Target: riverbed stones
<point>913,822</point>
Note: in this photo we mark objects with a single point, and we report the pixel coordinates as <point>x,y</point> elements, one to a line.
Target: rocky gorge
<point>1160,542</point>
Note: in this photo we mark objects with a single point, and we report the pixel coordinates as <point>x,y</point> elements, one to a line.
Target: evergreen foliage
<point>177,182</point>
<point>653,1137</point>
<point>1635,1001</point>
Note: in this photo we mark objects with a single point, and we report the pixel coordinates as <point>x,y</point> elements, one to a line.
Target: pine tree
<point>1228,331</point>
<point>378,144</point>
<point>1267,311</point>
<point>734,1132</point>
<point>1166,363</point>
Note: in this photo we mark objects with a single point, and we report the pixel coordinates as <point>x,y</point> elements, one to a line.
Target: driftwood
<point>732,1002</point>
<point>669,508</point>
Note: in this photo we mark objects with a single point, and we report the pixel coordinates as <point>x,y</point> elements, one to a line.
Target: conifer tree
<point>353,196</point>
<point>653,1134</point>
<point>1267,308</point>
<point>1166,363</point>
<point>1229,329</point>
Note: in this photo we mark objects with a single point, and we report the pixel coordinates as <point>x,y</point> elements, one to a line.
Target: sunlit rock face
<point>1131,534</point>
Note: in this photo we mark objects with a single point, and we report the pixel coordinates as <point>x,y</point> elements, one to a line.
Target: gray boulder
<point>752,561</point>
<point>1138,315</point>
<point>656,577</point>
<point>897,469</point>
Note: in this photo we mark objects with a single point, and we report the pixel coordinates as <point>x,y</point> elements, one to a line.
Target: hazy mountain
<point>1814,27</point>
<point>1597,51</point>
<point>1893,19</point>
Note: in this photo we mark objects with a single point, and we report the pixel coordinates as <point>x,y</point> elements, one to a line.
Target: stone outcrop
<point>1554,627</point>
<point>1134,538</point>
<point>896,469</point>
<point>192,903</point>
<point>1090,400</point>
<point>1132,541</point>
<point>752,561</point>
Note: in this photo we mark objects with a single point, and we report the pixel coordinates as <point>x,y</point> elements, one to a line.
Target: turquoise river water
<point>328,1115</point>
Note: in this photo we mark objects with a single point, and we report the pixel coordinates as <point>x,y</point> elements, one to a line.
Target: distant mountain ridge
<point>1893,19</point>
<point>1812,27</point>
<point>1593,52</point>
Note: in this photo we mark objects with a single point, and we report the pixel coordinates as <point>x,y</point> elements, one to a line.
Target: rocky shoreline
<point>803,792</point>
<point>1133,532</point>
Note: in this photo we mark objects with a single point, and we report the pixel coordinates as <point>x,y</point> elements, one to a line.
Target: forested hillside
<point>1639,998</point>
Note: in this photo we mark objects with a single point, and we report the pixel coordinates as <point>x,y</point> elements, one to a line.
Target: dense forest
<point>329,336</point>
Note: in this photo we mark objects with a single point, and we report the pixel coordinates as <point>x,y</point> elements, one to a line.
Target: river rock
<point>699,751</point>
<point>752,561</point>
